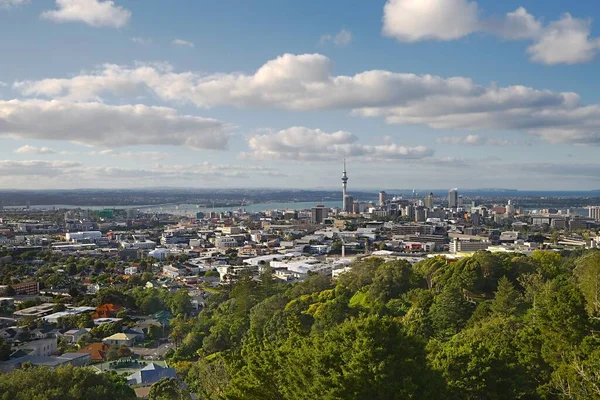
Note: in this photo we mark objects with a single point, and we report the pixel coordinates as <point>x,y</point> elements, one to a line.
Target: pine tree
<point>508,299</point>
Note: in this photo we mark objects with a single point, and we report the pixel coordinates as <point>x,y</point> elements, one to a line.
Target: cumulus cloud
<point>12,3</point>
<point>98,124</point>
<point>305,144</point>
<point>306,82</point>
<point>472,140</point>
<point>417,20</point>
<point>95,13</point>
<point>182,43</point>
<point>340,39</point>
<point>516,25</point>
<point>27,149</point>
<point>566,41</point>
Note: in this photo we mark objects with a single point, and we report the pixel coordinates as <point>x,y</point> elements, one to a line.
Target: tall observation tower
<point>344,193</point>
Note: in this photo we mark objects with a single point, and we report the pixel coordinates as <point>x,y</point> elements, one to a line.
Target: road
<point>153,352</point>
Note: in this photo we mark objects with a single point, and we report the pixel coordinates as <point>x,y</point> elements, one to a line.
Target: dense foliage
<point>65,383</point>
<point>490,326</point>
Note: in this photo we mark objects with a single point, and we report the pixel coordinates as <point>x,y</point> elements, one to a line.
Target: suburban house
<point>74,359</point>
<point>44,332</point>
<point>150,374</point>
<point>119,339</point>
<point>97,351</point>
<point>74,335</point>
<point>43,347</point>
<point>139,333</point>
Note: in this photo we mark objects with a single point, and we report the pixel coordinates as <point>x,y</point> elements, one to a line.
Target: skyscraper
<point>382,198</point>
<point>453,198</point>
<point>348,203</point>
<point>429,201</point>
<point>594,213</point>
<point>344,185</point>
<point>318,214</point>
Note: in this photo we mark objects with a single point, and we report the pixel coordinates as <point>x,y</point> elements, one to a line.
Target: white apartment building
<point>225,242</point>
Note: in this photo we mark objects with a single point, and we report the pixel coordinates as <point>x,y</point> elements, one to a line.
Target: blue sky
<point>272,93</point>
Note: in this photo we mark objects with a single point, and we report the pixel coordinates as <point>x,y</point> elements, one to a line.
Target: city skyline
<point>129,95</point>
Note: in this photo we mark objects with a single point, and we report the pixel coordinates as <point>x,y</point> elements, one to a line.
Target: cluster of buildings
<point>190,252</point>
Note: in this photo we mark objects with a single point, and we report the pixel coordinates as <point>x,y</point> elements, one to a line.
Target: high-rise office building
<point>319,213</point>
<point>356,207</point>
<point>344,186</point>
<point>382,198</point>
<point>476,218</point>
<point>429,201</point>
<point>409,212</point>
<point>348,203</point>
<point>594,212</point>
<point>420,214</point>
<point>453,198</point>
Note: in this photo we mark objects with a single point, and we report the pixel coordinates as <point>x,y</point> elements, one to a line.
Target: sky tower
<point>344,184</point>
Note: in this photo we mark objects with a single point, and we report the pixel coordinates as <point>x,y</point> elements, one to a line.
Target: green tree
<point>390,280</point>
<point>63,383</point>
<point>154,332</point>
<point>208,379</point>
<point>550,263</point>
<point>363,358</point>
<point>507,300</point>
<point>578,377</point>
<point>561,317</point>
<point>167,389</point>
<point>587,271</point>
<point>5,350</point>
<point>483,362</point>
<point>180,302</point>
<point>449,312</point>
<point>430,270</point>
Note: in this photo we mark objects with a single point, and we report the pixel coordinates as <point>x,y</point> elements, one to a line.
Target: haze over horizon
<point>439,94</point>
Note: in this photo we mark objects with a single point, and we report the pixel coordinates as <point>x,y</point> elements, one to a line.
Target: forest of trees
<point>490,326</point>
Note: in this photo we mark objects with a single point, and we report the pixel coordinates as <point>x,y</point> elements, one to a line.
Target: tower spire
<point>344,184</point>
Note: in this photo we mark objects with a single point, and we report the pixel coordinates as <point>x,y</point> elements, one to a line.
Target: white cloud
<point>27,149</point>
<point>516,25</point>
<point>305,144</point>
<point>341,39</point>
<point>306,82</point>
<point>566,41</point>
<point>96,13</point>
<point>112,126</point>
<point>417,20</point>
<point>53,174</point>
<point>141,40</point>
<point>12,3</point>
<point>9,168</point>
<point>138,155</point>
<point>473,140</point>
<point>183,43</point>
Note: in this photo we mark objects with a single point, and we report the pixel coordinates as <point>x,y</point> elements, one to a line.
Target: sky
<point>415,94</point>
